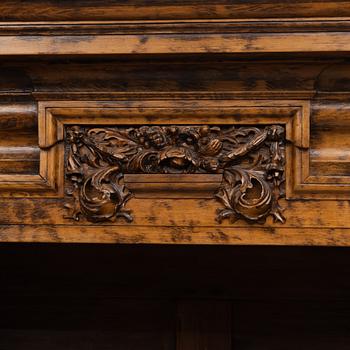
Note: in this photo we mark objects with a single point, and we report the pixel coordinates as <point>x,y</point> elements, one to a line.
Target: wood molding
<point>174,44</point>
<point>295,115</point>
<point>107,10</point>
<point>183,26</point>
<point>54,115</point>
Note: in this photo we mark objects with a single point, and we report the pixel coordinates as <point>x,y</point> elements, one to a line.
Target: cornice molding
<point>183,26</point>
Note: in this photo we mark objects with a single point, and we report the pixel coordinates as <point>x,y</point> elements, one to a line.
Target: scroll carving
<point>251,160</point>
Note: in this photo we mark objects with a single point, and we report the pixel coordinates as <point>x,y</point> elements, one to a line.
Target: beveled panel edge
<point>54,115</point>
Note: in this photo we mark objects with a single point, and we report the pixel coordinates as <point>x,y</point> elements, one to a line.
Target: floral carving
<point>250,158</point>
<point>251,190</point>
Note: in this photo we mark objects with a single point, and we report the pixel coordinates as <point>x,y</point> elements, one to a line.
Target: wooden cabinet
<point>175,122</point>
<point>178,122</point>
<point>184,149</point>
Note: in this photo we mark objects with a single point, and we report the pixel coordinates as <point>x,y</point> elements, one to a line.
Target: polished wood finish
<point>248,64</point>
<point>191,136</point>
<point>193,217</point>
<point>251,162</point>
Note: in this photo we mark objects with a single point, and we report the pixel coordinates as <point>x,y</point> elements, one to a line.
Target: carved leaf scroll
<point>251,160</point>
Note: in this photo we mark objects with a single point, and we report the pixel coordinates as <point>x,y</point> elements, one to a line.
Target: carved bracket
<point>251,160</point>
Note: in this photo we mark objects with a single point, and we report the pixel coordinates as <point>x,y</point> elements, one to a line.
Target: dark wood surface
<point>168,297</point>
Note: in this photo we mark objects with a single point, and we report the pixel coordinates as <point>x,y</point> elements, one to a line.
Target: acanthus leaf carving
<point>252,192</point>
<point>251,160</point>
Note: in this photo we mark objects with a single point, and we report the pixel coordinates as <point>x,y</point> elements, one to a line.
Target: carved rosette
<point>251,160</point>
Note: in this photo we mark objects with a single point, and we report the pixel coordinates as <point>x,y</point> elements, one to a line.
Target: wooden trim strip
<point>219,26</point>
<point>174,44</point>
<point>105,10</point>
<point>176,235</point>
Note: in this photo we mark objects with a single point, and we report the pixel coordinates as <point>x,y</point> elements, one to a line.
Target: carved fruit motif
<point>211,147</point>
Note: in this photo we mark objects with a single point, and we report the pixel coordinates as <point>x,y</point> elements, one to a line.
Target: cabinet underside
<point>173,297</point>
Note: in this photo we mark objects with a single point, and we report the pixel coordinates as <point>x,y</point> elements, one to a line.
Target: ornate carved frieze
<point>251,160</point>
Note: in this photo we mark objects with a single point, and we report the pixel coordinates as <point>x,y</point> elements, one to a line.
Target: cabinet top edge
<point>15,10</point>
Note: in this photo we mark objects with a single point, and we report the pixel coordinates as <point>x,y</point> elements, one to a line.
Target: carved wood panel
<point>278,74</point>
<point>177,207</point>
<point>173,200</point>
<point>251,160</point>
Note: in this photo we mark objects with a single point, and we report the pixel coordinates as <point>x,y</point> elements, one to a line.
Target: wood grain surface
<point>245,99</point>
<point>116,64</point>
<point>317,162</point>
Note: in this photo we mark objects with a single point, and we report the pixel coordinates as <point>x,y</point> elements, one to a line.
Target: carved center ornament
<point>251,160</point>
